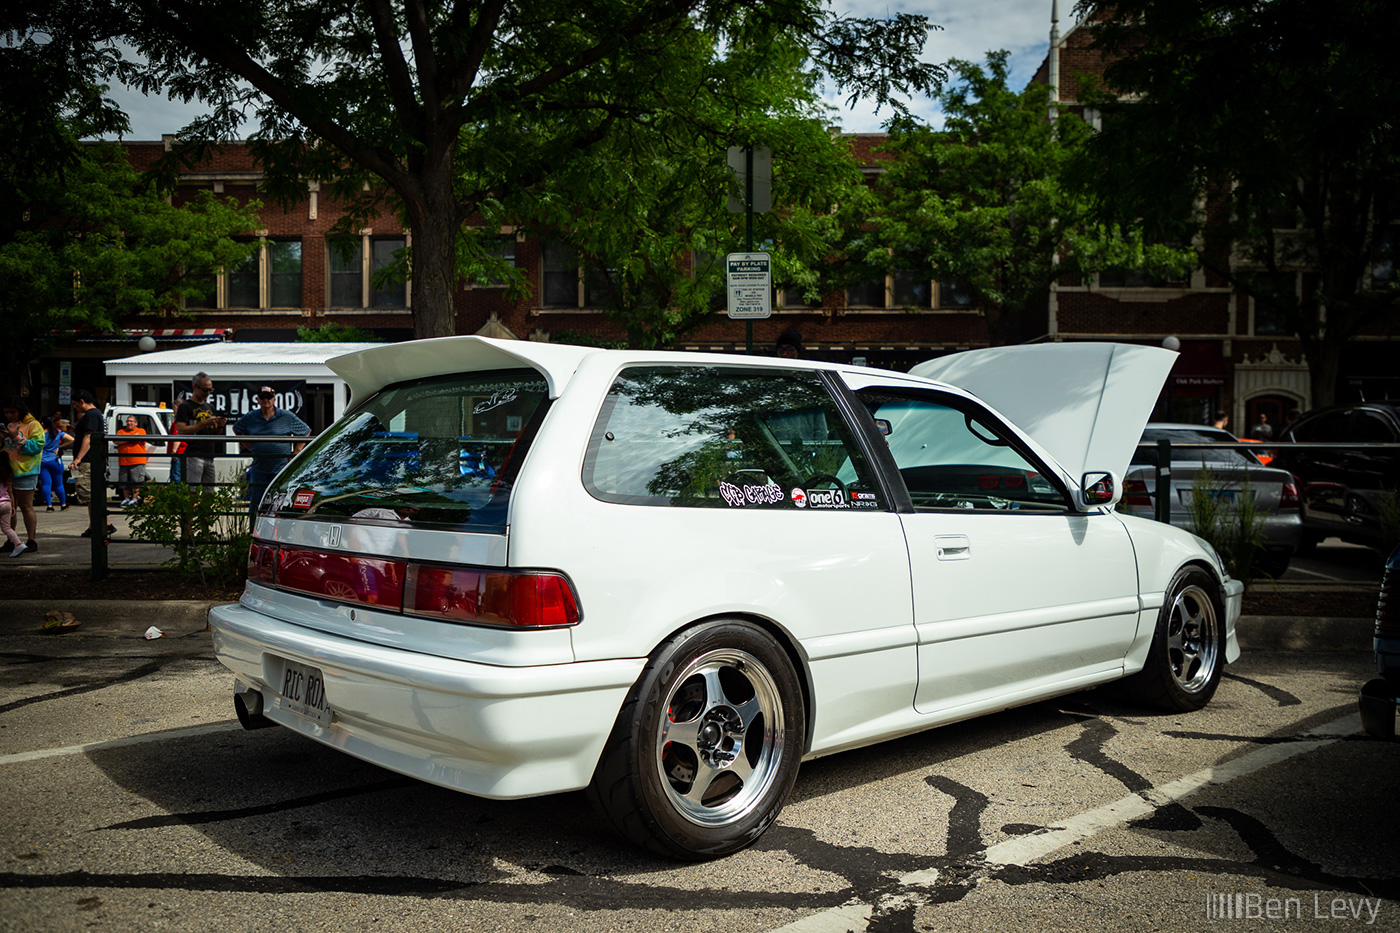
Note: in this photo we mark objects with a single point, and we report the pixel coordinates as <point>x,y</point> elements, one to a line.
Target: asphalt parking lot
<point>129,800</point>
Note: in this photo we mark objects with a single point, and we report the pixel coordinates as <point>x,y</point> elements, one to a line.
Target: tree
<point>1285,116</point>
<point>985,202</point>
<point>85,243</point>
<point>451,107</point>
<point>644,212</point>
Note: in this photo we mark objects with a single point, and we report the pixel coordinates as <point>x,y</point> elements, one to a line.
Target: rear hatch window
<point>439,451</point>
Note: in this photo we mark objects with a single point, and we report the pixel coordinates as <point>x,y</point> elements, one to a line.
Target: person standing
<point>195,417</point>
<point>13,544</point>
<point>24,442</point>
<point>131,462</point>
<point>89,423</point>
<point>56,438</point>
<point>1222,421</point>
<point>1263,430</point>
<point>270,457</point>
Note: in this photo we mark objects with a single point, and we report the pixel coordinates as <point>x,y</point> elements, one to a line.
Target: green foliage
<point>1284,115</point>
<point>208,528</point>
<point>335,333</point>
<point>985,201</point>
<point>645,210</point>
<point>1227,515</point>
<point>86,243</point>
<point>450,109</point>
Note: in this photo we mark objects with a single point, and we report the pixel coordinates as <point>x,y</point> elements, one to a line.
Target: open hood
<point>1085,403</point>
<point>368,371</point>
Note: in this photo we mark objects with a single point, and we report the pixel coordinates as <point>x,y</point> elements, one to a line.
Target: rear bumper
<point>499,732</point>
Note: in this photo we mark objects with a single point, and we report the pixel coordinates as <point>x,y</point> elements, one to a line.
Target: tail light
<point>1288,497</point>
<point>477,595</point>
<point>1135,493</point>
<point>262,563</point>
<point>530,599</point>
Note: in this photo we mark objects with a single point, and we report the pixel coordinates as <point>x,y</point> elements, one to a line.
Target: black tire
<point>707,745</point>
<point>1187,655</point>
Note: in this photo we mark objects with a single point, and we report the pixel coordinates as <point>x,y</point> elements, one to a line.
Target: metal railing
<point>1162,503</point>
<point>101,450</point>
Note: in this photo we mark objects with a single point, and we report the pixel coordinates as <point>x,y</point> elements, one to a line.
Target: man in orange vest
<point>131,463</point>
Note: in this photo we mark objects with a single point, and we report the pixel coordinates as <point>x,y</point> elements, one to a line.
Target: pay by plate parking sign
<point>748,282</point>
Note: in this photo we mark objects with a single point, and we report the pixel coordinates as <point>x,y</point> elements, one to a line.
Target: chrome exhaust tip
<point>248,704</point>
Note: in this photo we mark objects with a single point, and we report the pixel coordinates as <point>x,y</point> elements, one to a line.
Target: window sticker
<point>799,497</point>
<point>750,494</point>
<point>826,499</point>
<point>303,499</point>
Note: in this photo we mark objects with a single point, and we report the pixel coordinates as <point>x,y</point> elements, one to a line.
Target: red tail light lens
<point>527,599</point>
<point>1288,498</point>
<point>490,597</point>
<point>1135,493</point>
<point>262,563</point>
<point>345,577</point>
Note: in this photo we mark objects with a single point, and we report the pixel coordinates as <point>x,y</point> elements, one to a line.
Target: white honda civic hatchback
<point>518,568</point>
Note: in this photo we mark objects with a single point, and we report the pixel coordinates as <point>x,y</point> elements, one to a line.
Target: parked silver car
<point>1232,474</point>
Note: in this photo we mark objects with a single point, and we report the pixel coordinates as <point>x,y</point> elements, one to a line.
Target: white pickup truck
<point>159,424</point>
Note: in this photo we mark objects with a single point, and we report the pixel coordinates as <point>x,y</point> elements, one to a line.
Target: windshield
<point>1182,438</point>
<point>439,451</point>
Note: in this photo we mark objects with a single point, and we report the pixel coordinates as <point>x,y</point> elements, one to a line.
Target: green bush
<point>1227,515</point>
<point>207,527</point>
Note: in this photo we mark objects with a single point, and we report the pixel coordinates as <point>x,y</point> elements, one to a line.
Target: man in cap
<point>269,457</point>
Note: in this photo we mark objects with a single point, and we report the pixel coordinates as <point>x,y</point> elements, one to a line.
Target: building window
<point>384,251</point>
<point>347,274</point>
<point>559,278</point>
<point>1136,278</point>
<point>501,248</point>
<point>242,289</point>
<point>954,293</point>
<point>1274,296</point>
<point>911,289</point>
<point>1383,269</point>
<point>352,278</point>
<point>284,261</point>
<point>268,277</point>
<point>867,294</point>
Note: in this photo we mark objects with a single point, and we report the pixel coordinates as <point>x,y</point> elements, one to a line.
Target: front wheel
<point>1187,655</point>
<point>707,746</point>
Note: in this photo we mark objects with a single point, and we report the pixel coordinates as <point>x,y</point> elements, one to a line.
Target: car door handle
<point>952,547</point>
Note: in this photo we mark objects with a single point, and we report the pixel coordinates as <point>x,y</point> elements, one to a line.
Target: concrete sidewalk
<point>61,543</point>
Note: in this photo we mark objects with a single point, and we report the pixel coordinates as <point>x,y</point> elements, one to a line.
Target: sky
<point>971,28</point>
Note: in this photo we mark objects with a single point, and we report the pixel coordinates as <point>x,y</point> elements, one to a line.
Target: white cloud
<point>971,28</point>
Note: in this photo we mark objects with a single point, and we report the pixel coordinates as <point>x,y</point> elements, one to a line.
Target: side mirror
<point>1097,488</point>
<point>885,427</point>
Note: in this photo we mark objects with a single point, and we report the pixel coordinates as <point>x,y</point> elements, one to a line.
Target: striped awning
<point>164,335</point>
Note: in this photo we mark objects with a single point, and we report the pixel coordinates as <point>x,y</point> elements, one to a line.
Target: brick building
<point>1233,355</point>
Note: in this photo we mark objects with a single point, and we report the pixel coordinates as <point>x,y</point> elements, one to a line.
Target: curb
<point>122,617</point>
<point>187,616</point>
<point>1288,633</point>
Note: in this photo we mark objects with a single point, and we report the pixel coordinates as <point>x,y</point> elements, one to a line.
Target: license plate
<point>303,692</point>
<point>1223,495</point>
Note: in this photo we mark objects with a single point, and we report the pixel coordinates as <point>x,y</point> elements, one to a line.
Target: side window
<point>725,437</point>
<point>1366,427</point>
<point>952,459</point>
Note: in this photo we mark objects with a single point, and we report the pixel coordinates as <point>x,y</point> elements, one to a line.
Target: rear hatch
<point>390,523</point>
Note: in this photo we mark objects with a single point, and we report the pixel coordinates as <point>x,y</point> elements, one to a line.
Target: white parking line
<point>1023,849</point>
<point>185,733</point>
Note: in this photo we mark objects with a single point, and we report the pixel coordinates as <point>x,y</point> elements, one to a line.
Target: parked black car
<point>1342,488</point>
<point>1378,696</point>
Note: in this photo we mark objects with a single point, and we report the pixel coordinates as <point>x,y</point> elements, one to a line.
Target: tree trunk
<point>1324,358</point>
<point>433,221</point>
